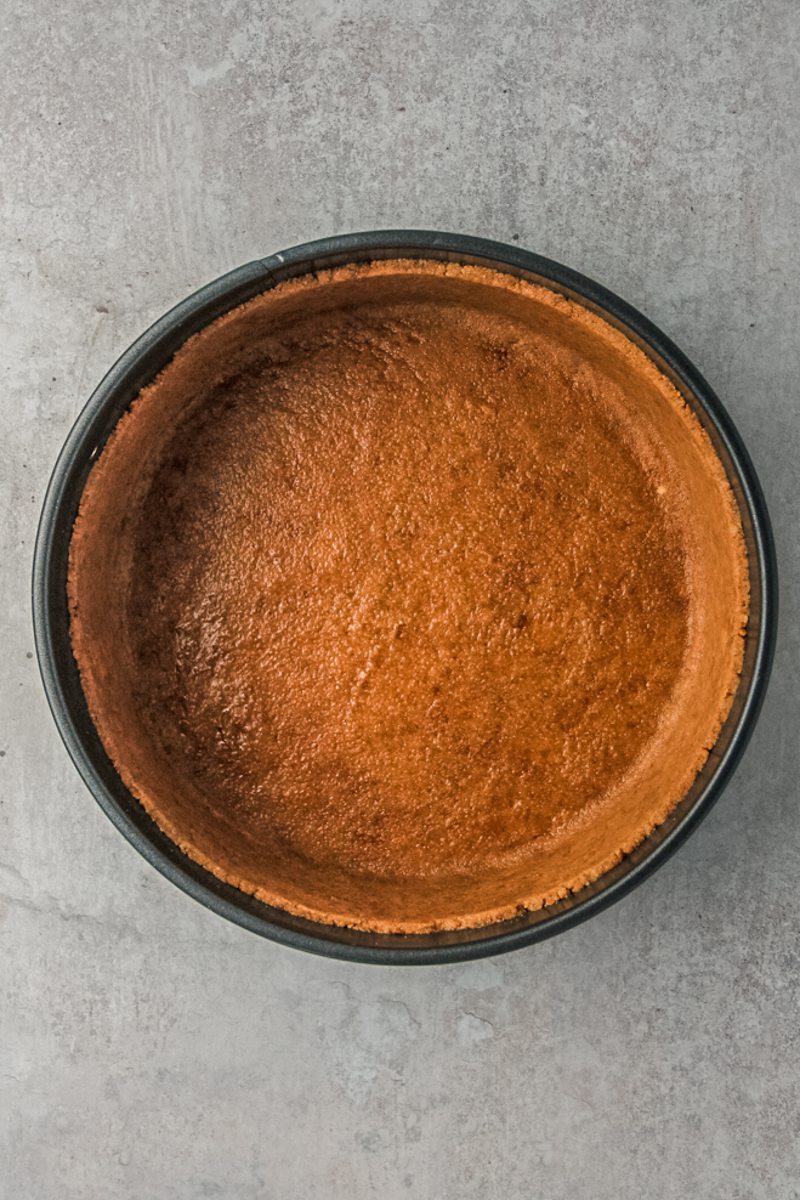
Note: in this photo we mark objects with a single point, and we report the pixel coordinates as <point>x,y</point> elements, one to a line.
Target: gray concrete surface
<point>150,1050</point>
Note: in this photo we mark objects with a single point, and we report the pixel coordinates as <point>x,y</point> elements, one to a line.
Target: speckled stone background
<point>150,1050</point>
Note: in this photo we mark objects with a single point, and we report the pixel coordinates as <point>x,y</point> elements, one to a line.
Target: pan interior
<point>409,596</point>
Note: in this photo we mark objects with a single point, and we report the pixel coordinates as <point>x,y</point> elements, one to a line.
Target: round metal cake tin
<point>139,365</point>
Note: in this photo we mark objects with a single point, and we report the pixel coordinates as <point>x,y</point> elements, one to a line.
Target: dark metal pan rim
<point>142,361</point>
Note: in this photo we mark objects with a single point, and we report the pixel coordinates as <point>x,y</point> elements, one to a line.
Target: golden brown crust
<point>408,596</point>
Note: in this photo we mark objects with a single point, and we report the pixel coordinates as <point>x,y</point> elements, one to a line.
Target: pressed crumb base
<point>408,597</point>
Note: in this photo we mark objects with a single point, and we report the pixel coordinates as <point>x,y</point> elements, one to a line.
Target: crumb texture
<point>408,596</point>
